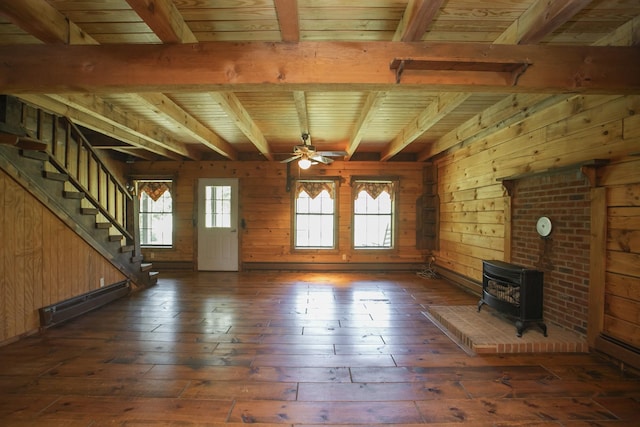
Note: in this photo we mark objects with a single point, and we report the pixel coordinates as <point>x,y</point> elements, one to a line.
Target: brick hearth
<point>489,332</point>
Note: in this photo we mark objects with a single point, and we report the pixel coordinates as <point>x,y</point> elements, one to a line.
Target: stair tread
<point>56,176</point>
<point>35,155</point>
<point>73,194</point>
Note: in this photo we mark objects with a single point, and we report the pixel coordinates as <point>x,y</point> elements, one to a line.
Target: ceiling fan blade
<point>332,153</point>
<point>321,159</point>
<point>291,159</point>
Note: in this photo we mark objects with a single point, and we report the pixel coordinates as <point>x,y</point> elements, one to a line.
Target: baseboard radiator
<point>76,306</point>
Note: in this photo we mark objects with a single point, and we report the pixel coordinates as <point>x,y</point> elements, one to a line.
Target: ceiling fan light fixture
<point>304,163</point>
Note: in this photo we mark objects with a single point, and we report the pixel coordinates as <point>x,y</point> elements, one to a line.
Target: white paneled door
<point>218,224</point>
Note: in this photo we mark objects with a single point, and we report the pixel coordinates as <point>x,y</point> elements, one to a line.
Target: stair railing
<point>74,156</point>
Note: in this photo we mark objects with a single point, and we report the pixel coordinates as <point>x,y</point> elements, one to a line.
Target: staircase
<point>51,157</point>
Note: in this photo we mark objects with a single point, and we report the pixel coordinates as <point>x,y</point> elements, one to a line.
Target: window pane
<point>217,210</point>
<point>156,220</point>
<point>314,221</point>
<point>373,221</point>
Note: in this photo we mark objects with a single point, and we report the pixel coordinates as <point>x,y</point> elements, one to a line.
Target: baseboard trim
<point>351,266</point>
<point>618,350</point>
<point>172,265</point>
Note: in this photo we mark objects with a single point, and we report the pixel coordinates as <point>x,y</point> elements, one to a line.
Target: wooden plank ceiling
<point>242,80</point>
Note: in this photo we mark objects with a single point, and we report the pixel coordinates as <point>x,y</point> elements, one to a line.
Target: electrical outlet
<point>102,282</point>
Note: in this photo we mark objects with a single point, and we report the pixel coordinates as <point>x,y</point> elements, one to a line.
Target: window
<point>217,211</point>
<point>373,211</point>
<point>156,213</point>
<point>315,209</point>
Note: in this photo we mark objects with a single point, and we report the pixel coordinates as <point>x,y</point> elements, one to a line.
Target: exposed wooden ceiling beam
<point>311,65</point>
<point>163,17</point>
<point>431,115</point>
<point>287,12</point>
<point>300,99</point>
<point>137,152</point>
<point>44,22</point>
<point>94,113</point>
<point>541,19</point>
<point>240,116</point>
<point>165,107</point>
<point>416,19</point>
<point>367,115</point>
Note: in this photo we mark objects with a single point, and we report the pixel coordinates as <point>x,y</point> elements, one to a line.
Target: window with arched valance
<point>155,216</point>
<point>314,225</point>
<point>374,213</point>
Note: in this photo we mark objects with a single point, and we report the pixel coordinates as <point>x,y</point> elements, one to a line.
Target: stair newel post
<point>132,221</point>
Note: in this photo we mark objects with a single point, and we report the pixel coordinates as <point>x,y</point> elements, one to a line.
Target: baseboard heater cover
<point>76,306</point>
<point>459,280</point>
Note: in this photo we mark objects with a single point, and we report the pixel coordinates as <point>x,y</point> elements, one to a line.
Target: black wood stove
<point>515,291</point>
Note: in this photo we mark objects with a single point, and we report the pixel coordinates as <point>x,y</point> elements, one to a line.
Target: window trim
<point>395,180</point>
<point>336,217</point>
<point>144,178</point>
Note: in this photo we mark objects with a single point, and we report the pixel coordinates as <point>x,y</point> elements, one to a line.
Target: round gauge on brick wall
<point>543,226</point>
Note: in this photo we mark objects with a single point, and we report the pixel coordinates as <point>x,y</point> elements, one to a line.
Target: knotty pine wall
<point>617,278</point>
<point>474,206</point>
<point>265,206</point>
<point>42,261</point>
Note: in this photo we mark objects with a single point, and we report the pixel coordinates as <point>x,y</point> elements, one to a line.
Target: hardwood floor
<point>291,349</point>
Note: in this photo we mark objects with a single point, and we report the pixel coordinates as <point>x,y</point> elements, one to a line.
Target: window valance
<point>154,189</point>
<point>314,188</point>
<point>373,188</point>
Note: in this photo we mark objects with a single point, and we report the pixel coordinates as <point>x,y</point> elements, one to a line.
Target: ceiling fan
<point>307,155</point>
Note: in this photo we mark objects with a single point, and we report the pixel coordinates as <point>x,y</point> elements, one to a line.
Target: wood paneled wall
<point>621,309</point>
<point>265,206</point>
<point>474,217</point>
<point>42,261</point>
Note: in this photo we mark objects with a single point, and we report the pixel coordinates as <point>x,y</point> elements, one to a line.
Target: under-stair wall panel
<point>42,261</point>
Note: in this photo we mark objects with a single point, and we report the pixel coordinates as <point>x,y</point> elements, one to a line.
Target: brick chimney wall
<point>564,255</point>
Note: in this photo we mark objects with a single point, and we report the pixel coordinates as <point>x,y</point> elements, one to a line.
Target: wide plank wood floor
<point>291,349</point>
